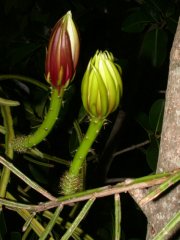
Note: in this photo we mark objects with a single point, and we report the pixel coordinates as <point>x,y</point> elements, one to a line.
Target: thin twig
<point>27,180</point>
<point>8,102</point>
<point>36,152</point>
<point>78,219</point>
<point>59,220</point>
<point>9,136</point>
<point>128,185</point>
<point>117,208</point>
<point>51,223</point>
<point>24,79</point>
<point>164,186</point>
<point>131,148</point>
<point>163,234</point>
<point>26,215</point>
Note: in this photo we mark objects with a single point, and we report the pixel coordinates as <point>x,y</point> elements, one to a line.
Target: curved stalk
<point>23,142</point>
<point>89,138</point>
<point>71,181</point>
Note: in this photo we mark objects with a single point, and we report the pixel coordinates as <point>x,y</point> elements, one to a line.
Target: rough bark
<point>160,211</point>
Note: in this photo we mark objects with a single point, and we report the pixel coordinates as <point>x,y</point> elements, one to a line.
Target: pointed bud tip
<point>63,52</point>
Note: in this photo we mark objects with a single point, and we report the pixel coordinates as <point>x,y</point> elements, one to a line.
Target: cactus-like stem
<point>71,181</point>
<point>23,142</point>
<point>89,138</point>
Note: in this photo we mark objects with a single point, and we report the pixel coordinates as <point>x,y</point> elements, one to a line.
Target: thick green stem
<point>24,142</point>
<point>8,124</point>
<point>71,181</point>
<point>89,138</point>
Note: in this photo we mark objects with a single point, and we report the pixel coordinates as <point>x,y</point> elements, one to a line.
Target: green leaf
<point>152,153</point>
<point>136,22</point>
<point>156,116</point>
<point>154,46</point>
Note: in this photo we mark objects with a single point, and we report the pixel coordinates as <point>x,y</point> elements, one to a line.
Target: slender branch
<point>28,222</point>
<point>27,180</point>
<point>51,223</point>
<point>10,103</point>
<point>78,131</point>
<point>2,130</point>
<point>78,231</point>
<point>78,219</point>
<point>9,136</point>
<point>131,148</point>
<point>128,185</point>
<point>163,234</point>
<point>24,79</point>
<point>36,152</point>
<point>117,204</point>
<point>164,186</point>
<point>26,215</point>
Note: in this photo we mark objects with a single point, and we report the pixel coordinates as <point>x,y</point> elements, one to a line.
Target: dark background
<point>140,35</point>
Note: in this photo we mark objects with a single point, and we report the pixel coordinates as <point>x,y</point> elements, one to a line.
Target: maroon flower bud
<point>62,53</point>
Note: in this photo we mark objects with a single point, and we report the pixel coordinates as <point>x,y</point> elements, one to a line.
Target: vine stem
<point>9,136</point>
<point>24,142</point>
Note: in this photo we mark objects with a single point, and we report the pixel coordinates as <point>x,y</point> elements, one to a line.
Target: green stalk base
<point>21,143</point>
<point>72,182</point>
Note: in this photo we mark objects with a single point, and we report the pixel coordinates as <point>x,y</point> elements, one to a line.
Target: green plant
<point>29,183</point>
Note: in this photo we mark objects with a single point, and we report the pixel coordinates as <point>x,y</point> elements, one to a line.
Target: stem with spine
<point>24,142</point>
<point>71,181</point>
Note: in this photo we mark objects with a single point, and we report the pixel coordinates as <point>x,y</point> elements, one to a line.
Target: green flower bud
<point>101,87</point>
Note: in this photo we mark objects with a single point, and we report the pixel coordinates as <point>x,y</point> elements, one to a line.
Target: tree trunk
<point>160,211</point>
